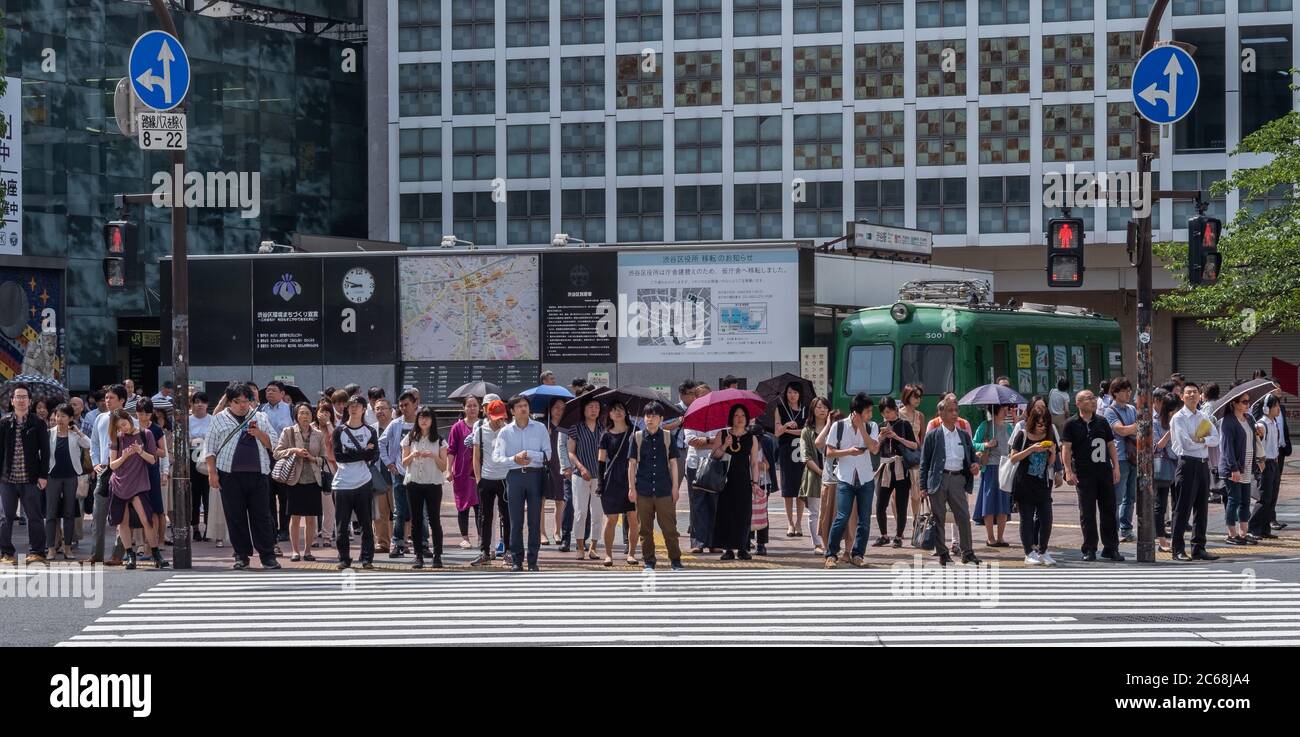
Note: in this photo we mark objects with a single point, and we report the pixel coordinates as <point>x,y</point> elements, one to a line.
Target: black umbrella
<point>39,388</point>
<point>1254,389</point>
<point>478,389</point>
<point>573,407</point>
<point>292,395</point>
<point>635,398</point>
<point>773,392</point>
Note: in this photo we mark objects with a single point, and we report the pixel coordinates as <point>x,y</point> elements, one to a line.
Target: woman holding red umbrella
<point>732,522</point>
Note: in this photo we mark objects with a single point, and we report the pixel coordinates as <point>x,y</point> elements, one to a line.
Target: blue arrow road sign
<point>1165,85</point>
<point>159,70</point>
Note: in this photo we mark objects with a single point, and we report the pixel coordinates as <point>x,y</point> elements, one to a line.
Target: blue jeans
<point>401,515</point>
<point>1237,500</point>
<point>525,488</point>
<point>1126,493</point>
<point>846,495</point>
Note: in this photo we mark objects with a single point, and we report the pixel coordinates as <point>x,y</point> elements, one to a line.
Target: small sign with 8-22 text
<point>161,131</point>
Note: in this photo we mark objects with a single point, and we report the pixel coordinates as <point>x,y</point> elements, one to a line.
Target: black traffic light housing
<point>119,251</point>
<point>1203,258</point>
<point>1065,251</point>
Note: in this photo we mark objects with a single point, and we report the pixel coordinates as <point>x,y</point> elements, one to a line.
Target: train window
<point>870,370</point>
<point>929,365</point>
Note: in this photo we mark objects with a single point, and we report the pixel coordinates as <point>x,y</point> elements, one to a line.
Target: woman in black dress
<point>735,503</point>
<point>788,420</point>
<point>613,483</point>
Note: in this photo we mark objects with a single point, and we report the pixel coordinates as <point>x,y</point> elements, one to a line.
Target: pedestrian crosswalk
<point>904,606</point>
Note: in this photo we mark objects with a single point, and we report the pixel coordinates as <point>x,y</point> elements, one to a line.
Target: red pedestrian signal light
<point>119,245</point>
<point>1065,239</point>
<point>1203,258</point>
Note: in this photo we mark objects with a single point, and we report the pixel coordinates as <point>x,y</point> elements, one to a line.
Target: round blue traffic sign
<point>1166,83</point>
<point>159,70</point>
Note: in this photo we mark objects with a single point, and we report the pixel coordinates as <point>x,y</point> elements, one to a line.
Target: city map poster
<point>469,308</point>
<point>686,306</point>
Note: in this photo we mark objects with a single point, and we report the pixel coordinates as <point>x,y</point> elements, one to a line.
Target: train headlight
<point>899,312</point>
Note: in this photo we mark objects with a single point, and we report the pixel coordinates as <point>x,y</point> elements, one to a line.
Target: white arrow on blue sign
<point>159,70</point>
<point>1166,83</point>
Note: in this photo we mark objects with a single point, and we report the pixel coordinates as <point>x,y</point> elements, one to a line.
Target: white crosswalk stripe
<point>726,607</point>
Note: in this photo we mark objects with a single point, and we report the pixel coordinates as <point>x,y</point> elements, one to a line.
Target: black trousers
<point>1036,519</point>
<point>492,494</point>
<point>348,502</point>
<point>1192,478</point>
<point>900,489</point>
<point>279,506</point>
<point>1164,489</point>
<point>426,501</point>
<point>1097,496</point>
<point>1265,511</point>
<point>244,497</point>
<point>198,495</point>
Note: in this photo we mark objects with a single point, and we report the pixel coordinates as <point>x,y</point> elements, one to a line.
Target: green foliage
<point>1259,286</point>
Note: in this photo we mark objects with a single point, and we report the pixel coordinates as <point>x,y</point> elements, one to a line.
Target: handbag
<point>926,528</point>
<point>1006,467</point>
<point>287,470</point>
<point>711,475</point>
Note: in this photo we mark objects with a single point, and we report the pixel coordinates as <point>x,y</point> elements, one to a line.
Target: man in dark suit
<point>24,467</point>
<point>948,467</point>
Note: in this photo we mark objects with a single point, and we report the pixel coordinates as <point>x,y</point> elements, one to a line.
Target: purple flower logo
<point>286,288</point>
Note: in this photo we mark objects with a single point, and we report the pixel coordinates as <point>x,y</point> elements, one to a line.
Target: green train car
<point>957,347</point>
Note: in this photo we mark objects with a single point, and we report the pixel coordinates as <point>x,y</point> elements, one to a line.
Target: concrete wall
<point>311,379</point>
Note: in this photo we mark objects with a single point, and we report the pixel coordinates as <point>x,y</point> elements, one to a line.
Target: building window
<point>877,15</point>
<point>756,17</point>
<point>1001,12</point>
<point>582,22</point>
<point>758,143</point>
<point>473,153</point>
<point>1204,130</point>
<point>940,137</point>
<point>640,214</point>
<point>421,155</point>
<point>1266,94</point>
<point>941,205</point>
<point>582,83</point>
<point>697,19</point>
<point>419,25</point>
<point>1199,181</point>
<point>1198,7</point>
<point>582,149</point>
<point>817,16</point>
<point>698,213</point>
<point>640,147</point>
<point>1280,195</point>
<point>582,214</point>
<point>1260,6</point>
<point>474,217</point>
<point>1121,132</point>
<point>1067,62</point>
<point>818,73</point>
<point>1087,214</point>
<point>527,22</point>
<point>821,214</point>
<point>757,76</point>
<point>878,139</point>
<point>1121,56</point>
<point>639,20</point>
<point>1068,132</point>
<point>1004,65</point>
<point>1004,135</point>
<point>419,89</point>
<point>697,145</point>
<point>1127,8</point>
<point>819,141</point>
<point>931,79</point>
<point>1066,10</point>
<point>1004,204</point>
<point>879,202</point>
<point>473,24</point>
<point>697,78</point>
<point>937,13</point>
<point>528,217</point>
<point>528,151</point>
<point>878,71</point>
<point>528,85</point>
<point>637,87</point>
<point>421,216</point>
<point>473,88</point>
<point>758,210</point>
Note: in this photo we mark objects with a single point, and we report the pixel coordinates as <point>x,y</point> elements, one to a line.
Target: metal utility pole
<point>181,498</point>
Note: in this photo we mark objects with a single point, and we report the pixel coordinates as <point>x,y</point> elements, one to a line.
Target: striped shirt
<point>587,445</point>
<point>223,436</point>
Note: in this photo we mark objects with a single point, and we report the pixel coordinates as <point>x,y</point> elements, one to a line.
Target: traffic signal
<point>118,247</point>
<point>1203,257</point>
<point>1065,252</point>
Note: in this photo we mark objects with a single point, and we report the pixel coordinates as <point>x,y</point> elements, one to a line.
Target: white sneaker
<point>1047,559</point>
<point>221,543</point>
<point>1032,559</point>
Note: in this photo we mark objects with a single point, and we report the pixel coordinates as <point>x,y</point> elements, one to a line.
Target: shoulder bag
<point>197,454</point>
<point>287,470</point>
<point>1006,467</point>
<point>711,475</point>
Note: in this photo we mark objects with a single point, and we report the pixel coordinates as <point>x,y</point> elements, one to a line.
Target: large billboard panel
<point>574,285</point>
<point>286,312</point>
<point>221,312</point>
<point>470,308</point>
<point>360,309</point>
<point>31,322</point>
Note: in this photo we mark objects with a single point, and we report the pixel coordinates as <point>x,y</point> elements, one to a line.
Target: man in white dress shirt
<point>1194,433</point>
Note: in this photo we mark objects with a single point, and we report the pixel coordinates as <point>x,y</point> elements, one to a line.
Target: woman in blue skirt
<point>993,505</point>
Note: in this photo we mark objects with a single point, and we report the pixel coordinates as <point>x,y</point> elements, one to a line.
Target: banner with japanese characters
<point>690,306</point>
<point>11,167</point>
